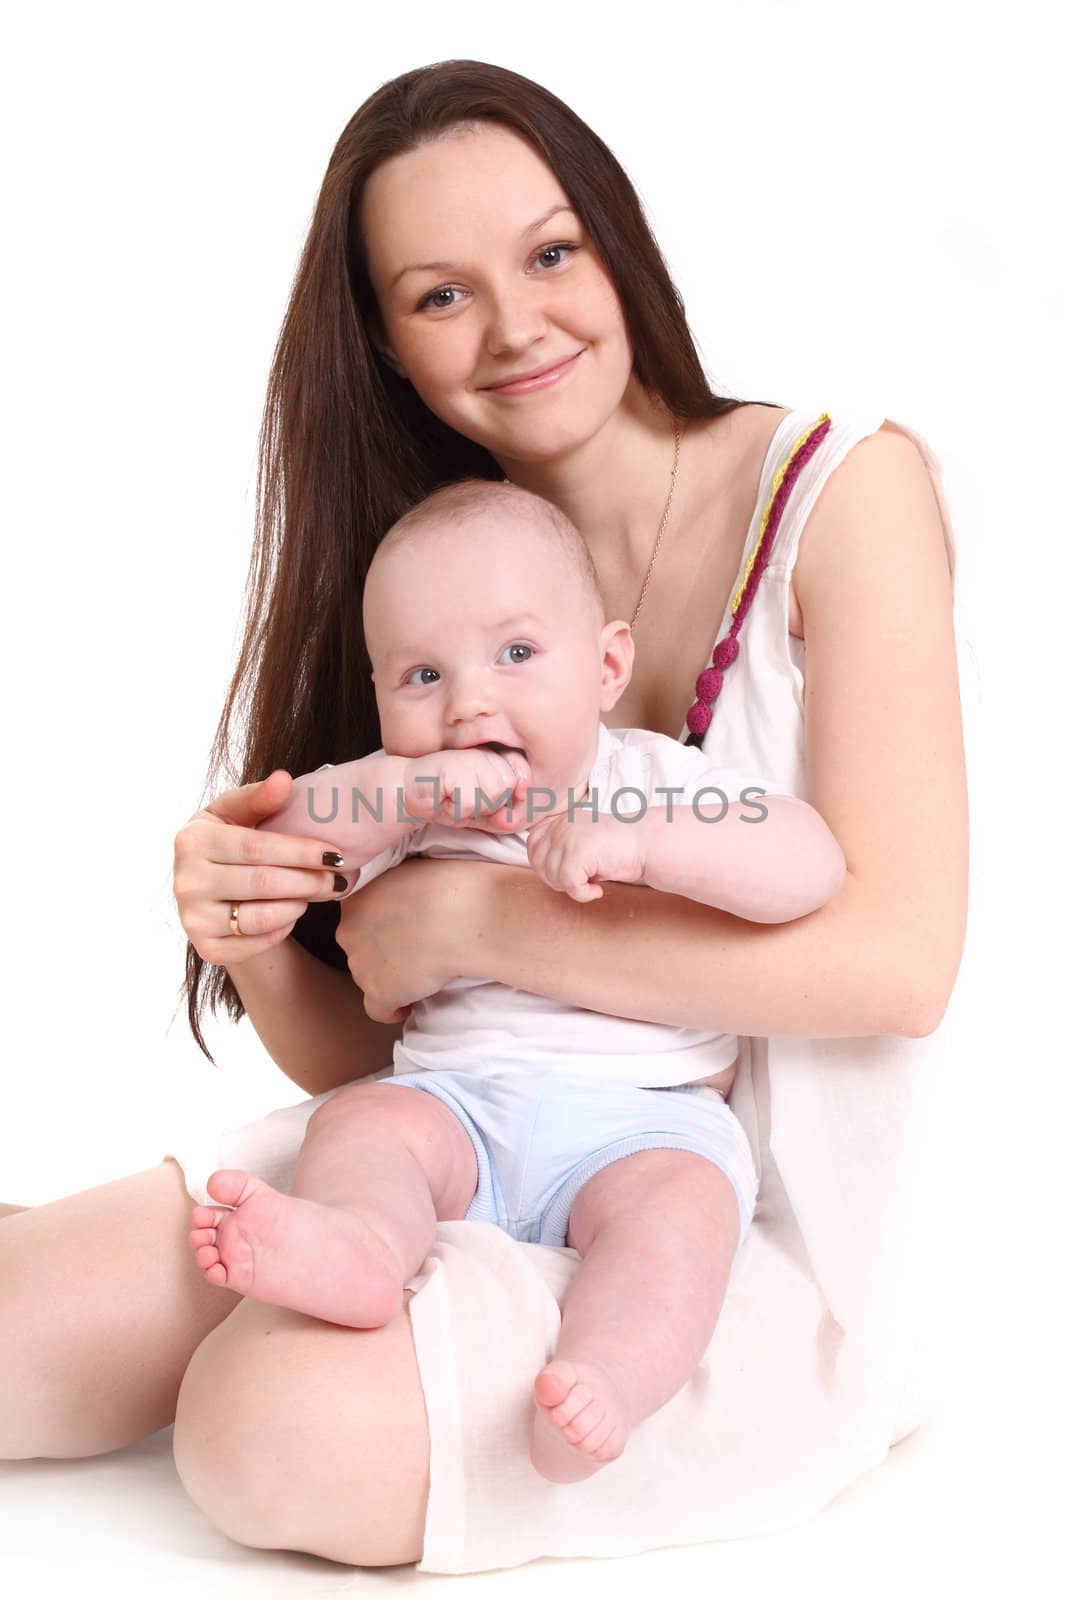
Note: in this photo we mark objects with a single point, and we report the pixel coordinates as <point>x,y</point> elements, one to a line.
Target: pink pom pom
<point>709,685</point>
<point>725,651</point>
<point>698,718</point>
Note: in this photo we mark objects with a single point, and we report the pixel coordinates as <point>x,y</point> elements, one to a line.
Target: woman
<point>479,294</point>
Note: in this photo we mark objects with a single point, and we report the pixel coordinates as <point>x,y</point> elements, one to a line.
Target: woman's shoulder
<point>860,436</point>
<point>885,464</point>
<point>876,475</point>
<point>879,510</point>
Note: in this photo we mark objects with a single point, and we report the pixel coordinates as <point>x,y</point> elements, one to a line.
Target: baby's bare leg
<point>9,1211</point>
<point>378,1167</point>
<point>657,1232</point>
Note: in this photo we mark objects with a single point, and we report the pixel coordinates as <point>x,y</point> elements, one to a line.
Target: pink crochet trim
<point>710,682</point>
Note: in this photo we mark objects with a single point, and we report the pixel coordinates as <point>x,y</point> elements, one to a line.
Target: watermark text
<point>710,804</point>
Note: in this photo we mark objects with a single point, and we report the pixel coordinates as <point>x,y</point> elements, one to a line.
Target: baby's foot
<point>293,1252</point>
<point>580,1424</point>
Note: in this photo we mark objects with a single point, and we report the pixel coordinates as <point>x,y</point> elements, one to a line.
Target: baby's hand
<point>570,853</point>
<point>444,787</point>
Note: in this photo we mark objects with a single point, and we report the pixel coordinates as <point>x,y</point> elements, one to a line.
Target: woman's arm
<point>885,771</point>
<point>662,958</point>
<point>311,1018</point>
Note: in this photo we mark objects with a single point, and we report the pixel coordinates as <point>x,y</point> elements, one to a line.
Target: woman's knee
<point>293,1434</point>
<point>101,1309</point>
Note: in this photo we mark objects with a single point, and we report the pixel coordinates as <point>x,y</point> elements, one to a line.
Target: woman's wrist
<point>253,975</point>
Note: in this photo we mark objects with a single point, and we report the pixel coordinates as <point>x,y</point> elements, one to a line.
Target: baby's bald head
<point>484,624</point>
<point>539,530</point>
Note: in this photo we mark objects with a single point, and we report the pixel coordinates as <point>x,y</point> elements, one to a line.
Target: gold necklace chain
<point>662,523</point>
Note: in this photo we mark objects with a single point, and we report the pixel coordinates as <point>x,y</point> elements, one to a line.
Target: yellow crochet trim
<point>775,486</point>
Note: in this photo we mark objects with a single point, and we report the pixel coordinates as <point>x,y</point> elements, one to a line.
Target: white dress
<point>822,1357</point>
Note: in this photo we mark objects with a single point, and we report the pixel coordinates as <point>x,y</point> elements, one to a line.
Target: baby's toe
<point>210,1263</point>
<point>554,1383</point>
<point>205,1235</point>
<point>228,1186</point>
<point>596,1439</point>
<point>587,1415</point>
<point>579,1399</point>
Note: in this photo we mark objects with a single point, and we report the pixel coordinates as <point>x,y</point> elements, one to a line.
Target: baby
<point>492,663</point>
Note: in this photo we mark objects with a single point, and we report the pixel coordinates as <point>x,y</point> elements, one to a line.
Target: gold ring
<point>234,909</point>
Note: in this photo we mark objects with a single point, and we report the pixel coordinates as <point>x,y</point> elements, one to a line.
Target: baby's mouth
<point>503,749</point>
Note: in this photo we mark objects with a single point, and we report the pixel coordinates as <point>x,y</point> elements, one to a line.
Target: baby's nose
<point>469,698</point>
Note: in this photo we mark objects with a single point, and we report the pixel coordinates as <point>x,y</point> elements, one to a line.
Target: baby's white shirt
<point>482,1026</point>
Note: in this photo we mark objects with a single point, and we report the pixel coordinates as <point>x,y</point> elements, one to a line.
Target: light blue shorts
<point>540,1136</point>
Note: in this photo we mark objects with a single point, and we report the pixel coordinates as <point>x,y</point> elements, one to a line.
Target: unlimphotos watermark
<point>541,802</point>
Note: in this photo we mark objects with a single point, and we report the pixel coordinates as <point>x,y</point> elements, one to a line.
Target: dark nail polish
<point>330,858</point>
<point>339,883</point>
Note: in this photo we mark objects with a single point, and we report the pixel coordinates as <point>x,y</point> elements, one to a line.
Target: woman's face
<point>484,275</point>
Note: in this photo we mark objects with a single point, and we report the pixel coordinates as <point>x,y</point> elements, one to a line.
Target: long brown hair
<point>346,446</point>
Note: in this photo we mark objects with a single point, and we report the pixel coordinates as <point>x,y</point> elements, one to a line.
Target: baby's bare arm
<point>766,868</point>
<point>353,805</point>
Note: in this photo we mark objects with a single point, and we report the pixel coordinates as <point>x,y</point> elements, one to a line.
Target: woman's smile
<point>536,378</point>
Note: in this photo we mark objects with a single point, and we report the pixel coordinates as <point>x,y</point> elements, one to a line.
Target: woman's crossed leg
<point>290,1433</point>
<point>301,1428</point>
<point>101,1311</point>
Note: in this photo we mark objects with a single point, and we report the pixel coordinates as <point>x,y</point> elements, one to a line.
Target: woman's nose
<point>515,321</point>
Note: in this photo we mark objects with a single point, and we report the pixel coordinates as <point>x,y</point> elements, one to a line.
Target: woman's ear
<point>383,347</point>
<point>390,360</point>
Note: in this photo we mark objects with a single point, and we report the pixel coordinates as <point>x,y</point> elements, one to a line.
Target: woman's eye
<point>553,254</point>
<point>420,681</point>
<point>442,299</point>
<point>513,662</point>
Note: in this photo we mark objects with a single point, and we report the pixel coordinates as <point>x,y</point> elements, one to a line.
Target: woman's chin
<point>538,442</point>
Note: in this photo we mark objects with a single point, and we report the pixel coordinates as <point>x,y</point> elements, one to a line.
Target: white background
<point>860,204</point>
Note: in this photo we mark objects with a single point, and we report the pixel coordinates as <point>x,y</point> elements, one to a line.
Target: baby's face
<point>482,635</point>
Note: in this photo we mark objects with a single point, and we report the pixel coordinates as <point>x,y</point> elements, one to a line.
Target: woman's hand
<point>407,933</point>
<point>221,858</point>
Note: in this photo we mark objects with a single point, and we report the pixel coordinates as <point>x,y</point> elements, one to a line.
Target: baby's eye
<point>517,662</point>
<point>420,681</point>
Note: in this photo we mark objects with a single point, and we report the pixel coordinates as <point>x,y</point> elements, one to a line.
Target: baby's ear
<point>616,662</point>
